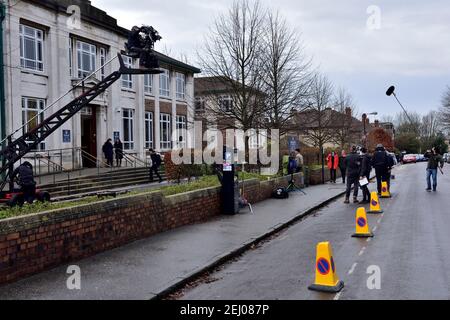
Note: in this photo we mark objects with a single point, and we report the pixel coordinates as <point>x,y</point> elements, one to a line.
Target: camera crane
<point>18,148</point>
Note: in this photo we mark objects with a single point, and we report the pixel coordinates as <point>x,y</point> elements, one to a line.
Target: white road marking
<point>362,251</point>
<point>369,239</point>
<point>353,268</point>
<point>338,296</point>
<point>375,228</point>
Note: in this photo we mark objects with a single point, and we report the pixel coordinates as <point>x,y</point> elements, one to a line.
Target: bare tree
<point>288,73</point>
<point>231,56</point>
<point>408,125</point>
<point>430,125</point>
<point>317,121</point>
<point>445,110</point>
<point>344,132</point>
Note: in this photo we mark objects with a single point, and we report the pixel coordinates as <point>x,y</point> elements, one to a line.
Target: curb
<point>240,250</point>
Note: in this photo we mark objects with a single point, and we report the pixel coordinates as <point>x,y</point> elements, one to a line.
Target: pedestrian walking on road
<point>353,164</point>
<point>118,147</point>
<point>333,164</point>
<point>342,165</point>
<point>108,151</point>
<point>156,163</point>
<point>382,163</point>
<point>435,161</point>
<point>366,168</point>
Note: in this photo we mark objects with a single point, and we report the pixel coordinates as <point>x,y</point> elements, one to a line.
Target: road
<point>411,248</point>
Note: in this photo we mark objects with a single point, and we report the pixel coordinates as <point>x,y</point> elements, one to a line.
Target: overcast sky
<point>411,49</point>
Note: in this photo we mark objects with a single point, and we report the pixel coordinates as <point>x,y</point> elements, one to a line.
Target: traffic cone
<point>385,190</point>
<point>326,278</point>
<point>375,206</point>
<point>362,225</point>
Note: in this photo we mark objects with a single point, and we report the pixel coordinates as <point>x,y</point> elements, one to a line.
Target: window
<point>226,104</point>
<point>102,62</point>
<point>181,131</point>
<point>86,54</point>
<point>128,129</point>
<point>164,84</point>
<point>148,130</point>
<point>127,79</point>
<point>148,83</point>
<point>31,107</point>
<point>165,131</point>
<point>199,104</point>
<point>181,85</point>
<point>70,57</point>
<point>31,48</point>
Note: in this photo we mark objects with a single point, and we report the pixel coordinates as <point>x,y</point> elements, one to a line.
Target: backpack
<point>280,193</point>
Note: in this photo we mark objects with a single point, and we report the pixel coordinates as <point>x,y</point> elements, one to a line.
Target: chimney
<point>348,112</point>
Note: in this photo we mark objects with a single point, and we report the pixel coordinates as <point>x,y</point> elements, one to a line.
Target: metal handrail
<point>136,159</point>
<point>94,159</point>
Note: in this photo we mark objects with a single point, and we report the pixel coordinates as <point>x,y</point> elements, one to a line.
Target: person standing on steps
<point>342,165</point>
<point>333,163</point>
<point>435,162</point>
<point>156,163</point>
<point>366,168</point>
<point>118,147</point>
<point>353,164</point>
<point>108,151</point>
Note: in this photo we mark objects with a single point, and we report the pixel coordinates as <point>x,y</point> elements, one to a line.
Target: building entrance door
<point>89,136</point>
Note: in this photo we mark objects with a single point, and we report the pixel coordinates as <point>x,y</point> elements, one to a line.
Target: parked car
<point>410,158</point>
<point>421,158</point>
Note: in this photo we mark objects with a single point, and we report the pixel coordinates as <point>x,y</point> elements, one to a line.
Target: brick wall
<point>34,243</point>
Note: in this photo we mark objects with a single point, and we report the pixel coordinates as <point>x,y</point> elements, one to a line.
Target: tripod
<point>292,187</point>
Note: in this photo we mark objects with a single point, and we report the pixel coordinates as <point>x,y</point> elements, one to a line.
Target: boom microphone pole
<point>391,92</point>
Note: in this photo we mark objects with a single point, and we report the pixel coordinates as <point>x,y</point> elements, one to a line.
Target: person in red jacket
<point>333,164</point>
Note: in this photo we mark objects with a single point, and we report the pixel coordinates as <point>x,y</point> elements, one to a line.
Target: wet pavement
<point>147,267</point>
<point>411,249</point>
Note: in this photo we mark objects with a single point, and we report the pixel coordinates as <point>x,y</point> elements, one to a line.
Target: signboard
<point>293,144</point>
<point>66,136</point>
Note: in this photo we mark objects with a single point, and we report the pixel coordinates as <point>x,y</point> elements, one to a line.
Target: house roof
<point>334,119</point>
<point>217,85</point>
<point>100,18</point>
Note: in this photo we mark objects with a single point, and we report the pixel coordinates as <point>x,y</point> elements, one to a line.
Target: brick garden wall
<point>34,243</point>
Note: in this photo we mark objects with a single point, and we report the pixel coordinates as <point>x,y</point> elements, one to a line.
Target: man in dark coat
<point>366,168</point>
<point>353,164</point>
<point>382,162</point>
<point>108,150</point>
<point>435,162</point>
<point>156,163</point>
<point>26,181</point>
<point>118,147</point>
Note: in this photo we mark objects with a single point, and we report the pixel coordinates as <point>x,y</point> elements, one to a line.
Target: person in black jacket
<point>118,147</point>
<point>108,150</point>
<point>353,164</point>
<point>382,162</point>
<point>156,163</point>
<point>366,168</point>
<point>26,181</point>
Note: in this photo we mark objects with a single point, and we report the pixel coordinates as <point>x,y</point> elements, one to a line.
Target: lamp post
<point>365,116</point>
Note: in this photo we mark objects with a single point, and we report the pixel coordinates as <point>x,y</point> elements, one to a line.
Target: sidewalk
<point>147,268</point>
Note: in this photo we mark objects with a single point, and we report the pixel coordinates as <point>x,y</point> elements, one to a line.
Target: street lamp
<point>365,115</point>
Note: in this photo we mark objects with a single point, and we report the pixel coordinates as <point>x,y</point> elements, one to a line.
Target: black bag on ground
<point>280,193</point>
